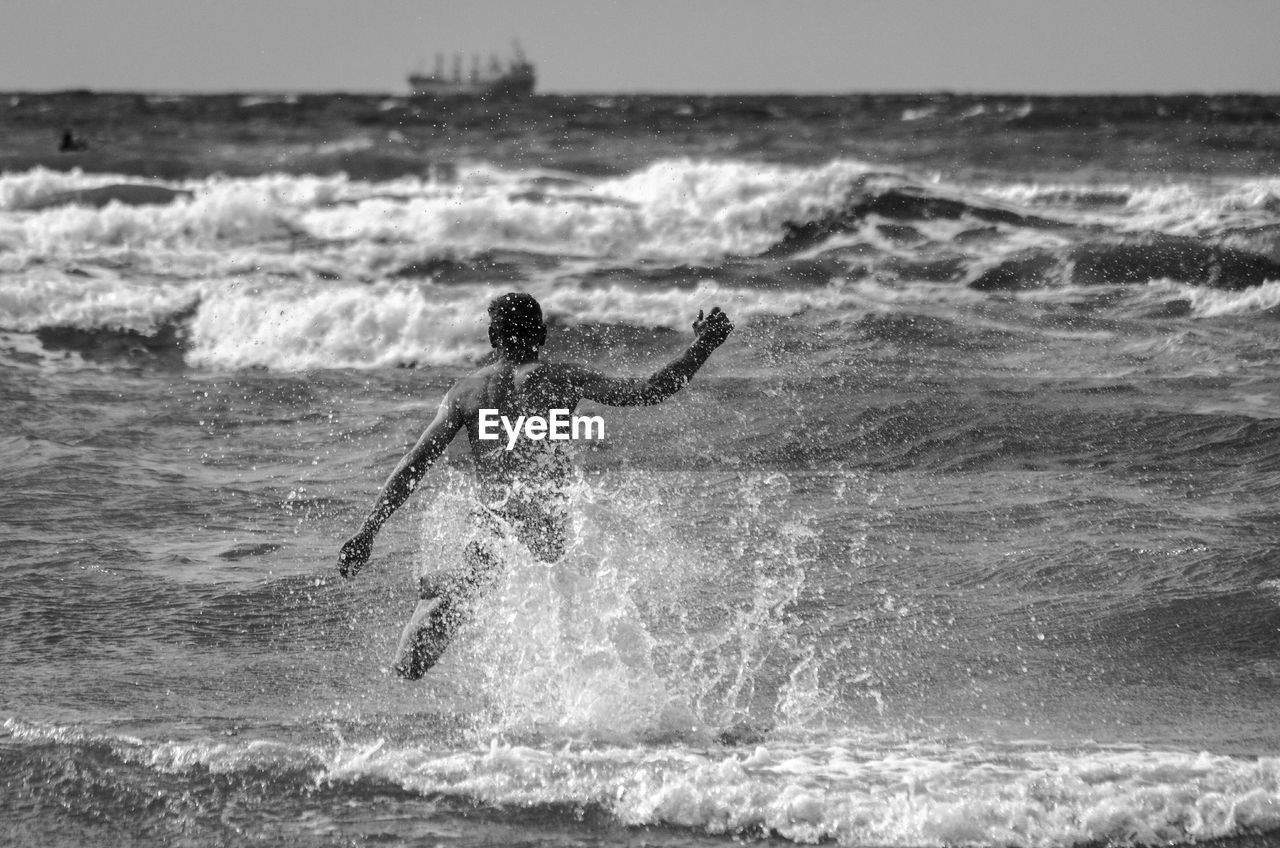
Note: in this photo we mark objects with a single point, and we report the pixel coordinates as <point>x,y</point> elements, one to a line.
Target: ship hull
<point>504,87</point>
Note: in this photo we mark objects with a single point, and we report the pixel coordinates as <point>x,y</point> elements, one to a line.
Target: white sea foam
<point>854,792</point>
<point>48,300</point>
<point>1186,209</point>
<point>18,189</point>
<point>296,326</point>
<point>1192,210</point>
<point>858,794</point>
<point>1212,303</point>
<point>295,272</point>
<point>908,797</point>
<point>673,210</point>
<point>729,208</point>
<point>919,113</point>
<point>288,324</point>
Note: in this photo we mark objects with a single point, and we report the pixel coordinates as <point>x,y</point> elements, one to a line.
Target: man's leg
<point>440,611</point>
<point>424,638</point>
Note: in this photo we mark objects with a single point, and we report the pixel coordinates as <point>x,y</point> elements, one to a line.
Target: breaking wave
<point>296,272</point>
<point>855,792</point>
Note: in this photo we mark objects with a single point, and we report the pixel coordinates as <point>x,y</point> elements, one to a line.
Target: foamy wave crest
<point>199,215</point>
<point>310,326</point>
<point>715,209</point>
<point>673,210</point>
<point>1210,303</point>
<point>297,326</point>
<point>857,794</point>
<point>306,326</point>
<point>1184,209</point>
<point>912,798</point>
<point>289,324</point>
<point>1196,210</point>
<point>26,187</point>
<point>30,303</point>
<point>853,792</point>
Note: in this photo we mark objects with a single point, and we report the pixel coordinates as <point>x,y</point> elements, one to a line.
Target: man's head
<point>515,323</point>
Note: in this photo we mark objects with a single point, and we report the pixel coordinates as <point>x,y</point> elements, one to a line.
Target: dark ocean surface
<point>967,536</point>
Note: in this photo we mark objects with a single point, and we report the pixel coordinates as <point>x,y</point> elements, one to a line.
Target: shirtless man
<point>522,489</point>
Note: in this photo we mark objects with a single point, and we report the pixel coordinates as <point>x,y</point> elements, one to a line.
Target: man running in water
<point>522,488</point>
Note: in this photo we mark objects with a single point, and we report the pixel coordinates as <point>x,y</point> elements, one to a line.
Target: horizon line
<point>887,92</point>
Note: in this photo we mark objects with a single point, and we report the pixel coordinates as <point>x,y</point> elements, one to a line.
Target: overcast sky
<point>648,45</point>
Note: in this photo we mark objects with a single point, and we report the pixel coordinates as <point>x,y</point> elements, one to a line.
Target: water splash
<point>642,632</point>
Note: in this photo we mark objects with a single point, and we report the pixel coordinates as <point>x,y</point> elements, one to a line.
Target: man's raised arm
<point>403,480</point>
<point>630,391</point>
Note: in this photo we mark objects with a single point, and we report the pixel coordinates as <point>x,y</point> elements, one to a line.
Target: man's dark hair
<point>515,322</point>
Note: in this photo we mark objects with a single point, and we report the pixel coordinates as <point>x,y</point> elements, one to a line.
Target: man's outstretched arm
<point>403,480</point>
<point>629,391</point>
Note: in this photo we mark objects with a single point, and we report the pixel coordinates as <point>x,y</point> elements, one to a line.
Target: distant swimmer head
<point>515,323</point>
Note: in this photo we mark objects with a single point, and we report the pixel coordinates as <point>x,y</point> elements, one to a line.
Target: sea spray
<point>558,650</point>
<point>642,632</point>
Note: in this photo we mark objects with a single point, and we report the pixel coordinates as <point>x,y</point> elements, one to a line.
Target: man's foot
<point>424,639</point>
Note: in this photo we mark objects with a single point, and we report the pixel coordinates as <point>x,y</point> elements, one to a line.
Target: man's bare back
<point>522,486</point>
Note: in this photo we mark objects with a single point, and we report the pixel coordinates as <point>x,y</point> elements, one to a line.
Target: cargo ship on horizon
<point>516,78</point>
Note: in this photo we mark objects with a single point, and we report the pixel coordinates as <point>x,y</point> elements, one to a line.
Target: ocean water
<point>967,536</point>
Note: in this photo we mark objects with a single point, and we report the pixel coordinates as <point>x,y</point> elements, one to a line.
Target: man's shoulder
<point>483,372</point>
<point>469,387</point>
<point>476,380</point>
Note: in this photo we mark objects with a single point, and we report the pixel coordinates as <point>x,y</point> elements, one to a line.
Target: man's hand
<point>355,554</point>
<point>713,329</point>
